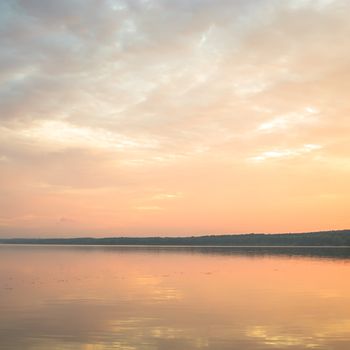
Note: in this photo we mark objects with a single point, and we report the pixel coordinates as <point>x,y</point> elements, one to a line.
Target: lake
<point>113,297</point>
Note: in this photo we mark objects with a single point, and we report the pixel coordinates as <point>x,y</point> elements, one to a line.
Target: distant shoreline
<point>339,238</point>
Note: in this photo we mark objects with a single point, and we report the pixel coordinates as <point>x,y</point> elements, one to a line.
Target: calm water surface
<point>97,298</point>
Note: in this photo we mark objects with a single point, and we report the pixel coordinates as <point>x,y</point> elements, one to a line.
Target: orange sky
<point>175,117</point>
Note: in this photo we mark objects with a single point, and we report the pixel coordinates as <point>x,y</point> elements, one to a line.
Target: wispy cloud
<point>303,118</point>
<point>285,153</point>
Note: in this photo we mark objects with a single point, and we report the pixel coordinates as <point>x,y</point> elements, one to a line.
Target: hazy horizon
<point>60,236</point>
<point>162,117</point>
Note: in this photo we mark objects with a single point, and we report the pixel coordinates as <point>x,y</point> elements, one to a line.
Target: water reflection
<point>60,297</point>
<point>331,252</point>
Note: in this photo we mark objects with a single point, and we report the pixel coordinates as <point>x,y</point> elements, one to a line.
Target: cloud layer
<point>173,117</point>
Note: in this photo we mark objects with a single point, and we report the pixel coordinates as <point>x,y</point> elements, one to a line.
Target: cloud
<point>305,117</point>
<point>134,96</point>
<point>285,153</point>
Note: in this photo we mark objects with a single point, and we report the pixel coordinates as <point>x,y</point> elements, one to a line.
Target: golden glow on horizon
<point>174,118</point>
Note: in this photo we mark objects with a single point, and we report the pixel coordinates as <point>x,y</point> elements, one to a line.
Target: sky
<point>173,117</point>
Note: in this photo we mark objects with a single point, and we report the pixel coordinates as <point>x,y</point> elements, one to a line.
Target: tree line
<point>323,238</point>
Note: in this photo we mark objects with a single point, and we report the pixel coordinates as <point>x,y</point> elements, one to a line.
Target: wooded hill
<point>324,238</point>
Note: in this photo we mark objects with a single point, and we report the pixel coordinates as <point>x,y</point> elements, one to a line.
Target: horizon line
<point>176,237</point>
